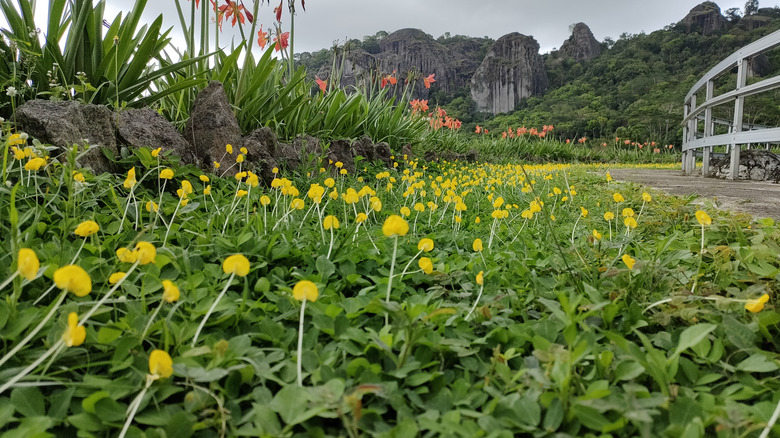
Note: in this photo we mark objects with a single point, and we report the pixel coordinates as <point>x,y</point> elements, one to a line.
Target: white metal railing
<point>706,140</point>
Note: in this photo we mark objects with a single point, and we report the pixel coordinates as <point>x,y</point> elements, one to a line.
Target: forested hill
<point>634,88</point>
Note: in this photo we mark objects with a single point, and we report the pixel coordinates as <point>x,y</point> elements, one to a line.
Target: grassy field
<point>431,299</point>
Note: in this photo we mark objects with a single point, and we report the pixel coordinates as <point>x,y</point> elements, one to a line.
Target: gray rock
<point>754,164</point>
<point>144,127</point>
<point>304,152</point>
<point>261,146</point>
<point>383,153</point>
<point>406,152</point>
<point>582,45</point>
<point>211,126</point>
<point>340,150</point>
<point>364,147</point>
<point>64,124</point>
<point>705,18</point>
<point>512,71</point>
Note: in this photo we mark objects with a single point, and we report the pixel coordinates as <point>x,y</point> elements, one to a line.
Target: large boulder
<point>341,150</point>
<point>705,18</point>
<point>69,123</point>
<point>512,71</point>
<point>581,45</point>
<point>364,147</point>
<point>211,126</point>
<point>304,152</point>
<point>754,164</point>
<point>261,146</point>
<point>145,127</point>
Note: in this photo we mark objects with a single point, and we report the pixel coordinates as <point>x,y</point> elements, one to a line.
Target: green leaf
<point>28,401</point>
<point>757,363</point>
<point>692,336</point>
<point>88,404</point>
<point>291,404</point>
<point>325,267</point>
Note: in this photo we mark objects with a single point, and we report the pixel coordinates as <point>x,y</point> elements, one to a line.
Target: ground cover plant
<point>430,299</point>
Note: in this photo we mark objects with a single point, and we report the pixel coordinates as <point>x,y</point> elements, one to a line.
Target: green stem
<point>37,328</point>
<point>32,366</point>
<point>390,279</point>
<point>211,309</point>
<point>299,365</point>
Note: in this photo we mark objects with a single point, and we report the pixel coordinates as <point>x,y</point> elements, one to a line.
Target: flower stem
<point>151,319</point>
<point>211,309</point>
<point>300,343</point>
<point>107,295</point>
<point>390,279</point>
<point>9,280</point>
<point>479,295</point>
<point>32,366</point>
<point>37,328</point>
<point>133,408</point>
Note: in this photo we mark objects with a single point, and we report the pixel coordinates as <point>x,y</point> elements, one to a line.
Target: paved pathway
<point>761,199</point>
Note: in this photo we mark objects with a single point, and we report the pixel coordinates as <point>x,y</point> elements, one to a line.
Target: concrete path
<point>761,199</point>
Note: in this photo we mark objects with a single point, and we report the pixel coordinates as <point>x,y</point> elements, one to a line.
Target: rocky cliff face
<point>581,45</point>
<point>705,18</point>
<point>512,71</point>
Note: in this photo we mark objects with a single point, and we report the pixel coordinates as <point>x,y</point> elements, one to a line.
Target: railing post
<point>693,128</point>
<point>708,128</point>
<point>685,140</point>
<point>739,109</point>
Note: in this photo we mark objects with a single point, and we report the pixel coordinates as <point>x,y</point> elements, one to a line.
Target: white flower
<point>10,91</point>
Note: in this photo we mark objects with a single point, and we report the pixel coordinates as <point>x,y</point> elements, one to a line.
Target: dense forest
<point>635,89</point>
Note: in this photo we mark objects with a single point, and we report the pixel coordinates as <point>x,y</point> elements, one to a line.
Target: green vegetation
<point>439,298</point>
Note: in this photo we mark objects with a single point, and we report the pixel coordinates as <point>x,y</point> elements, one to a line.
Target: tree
<point>751,7</point>
<point>732,14</point>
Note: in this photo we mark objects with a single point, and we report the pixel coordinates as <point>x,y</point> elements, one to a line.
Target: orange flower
<point>262,38</point>
<point>278,11</point>
<point>429,80</point>
<point>281,41</point>
<point>231,8</point>
<point>322,84</point>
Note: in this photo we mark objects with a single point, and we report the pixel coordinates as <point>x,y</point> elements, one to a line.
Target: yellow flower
<point>15,139</point>
<point>115,277</point>
<point>361,217</point>
<point>151,205</point>
<point>87,228</point>
<point>240,158</point>
<point>596,235</point>
<point>376,203</point>
<point>480,278</point>
<point>405,211</point>
<point>203,178</point>
<point>339,164</point>
<point>618,197</point>
<point>265,200</point>
<point>146,252</point>
<point>527,214</point>
<point>170,291</point>
<point>35,164</point>
<point>241,193</point>
<point>130,180</point>
<point>395,226</point>
<point>74,334</point>
<point>584,212</point>
<point>419,207</point>
<point>329,182</point>
<point>425,245</point>
<point>305,290</point>
<point>628,212</point>
<point>476,221</point>
<point>426,265</point>
<point>609,177</point>
<point>156,152</point>
<point>608,216</point>
<point>229,148</point>
<point>216,165</point>
<point>477,245</point>
<point>330,221</point>
<point>243,150</point>
<point>166,174</point>
<point>646,197</point>
<point>629,222</point>
<point>27,264</point>
<point>236,264</point>
<point>160,364</point>
<point>126,256</point>
<point>73,278</point>
<point>207,190</point>
<point>252,179</point>
<point>18,153</point>
<point>757,304</point>
<point>78,176</point>
<point>297,204</point>
<point>703,218</point>
<point>186,187</point>
<point>629,261</point>
<point>343,172</point>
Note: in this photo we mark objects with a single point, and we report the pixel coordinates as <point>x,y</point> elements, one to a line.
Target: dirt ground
<point>761,199</point>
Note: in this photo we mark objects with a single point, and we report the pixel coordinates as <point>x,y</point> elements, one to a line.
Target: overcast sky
<point>326,21</point>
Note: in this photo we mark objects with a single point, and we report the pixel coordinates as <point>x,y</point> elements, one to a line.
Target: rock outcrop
<point>754,164</point>
<point>581,45</point>
<point>705,18</point>
<point>512,71</point>
<point>212,125</point>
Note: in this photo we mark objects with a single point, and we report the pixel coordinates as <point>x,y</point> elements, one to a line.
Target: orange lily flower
<point>262,38</point>
<point>429,80</point>
<point>281,41</point>
<point>322,84</point>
